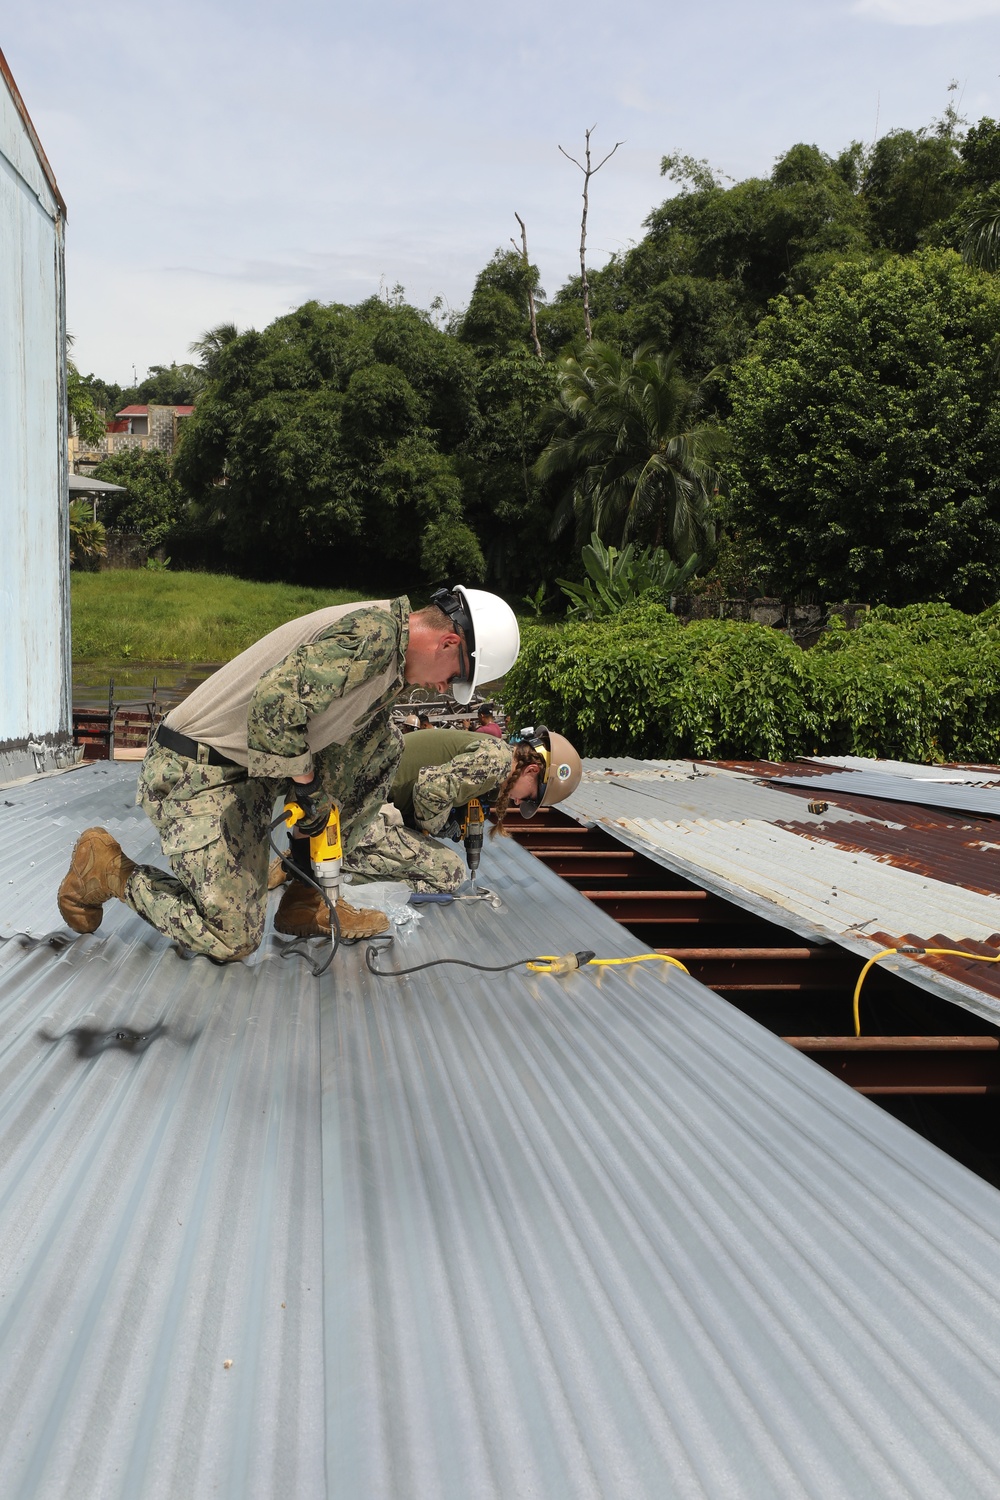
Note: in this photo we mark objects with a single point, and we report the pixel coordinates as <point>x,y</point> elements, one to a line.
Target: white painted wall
<point>35,656</point>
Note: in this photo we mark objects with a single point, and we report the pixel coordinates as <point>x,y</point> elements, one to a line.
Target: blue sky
<point>224,162</point>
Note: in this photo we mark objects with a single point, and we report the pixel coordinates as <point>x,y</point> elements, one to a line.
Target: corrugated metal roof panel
<point>685,789</point>
<point>837,888</point>
<point>966,857</point>
<point>461,1235</point>
<point>979,801</point>
<point>748,842</point>
<point>959,775</point>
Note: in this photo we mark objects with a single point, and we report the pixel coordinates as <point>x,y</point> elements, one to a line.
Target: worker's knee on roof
<point>233,931</point>
<point>444,871</point>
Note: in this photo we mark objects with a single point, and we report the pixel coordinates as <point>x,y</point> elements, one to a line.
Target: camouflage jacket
<point>326,690</point>
<point>441,769</point>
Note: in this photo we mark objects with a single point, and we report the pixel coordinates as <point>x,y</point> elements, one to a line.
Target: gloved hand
<point>391,815</point>
<point>453,828</point>
<point>315,807</point>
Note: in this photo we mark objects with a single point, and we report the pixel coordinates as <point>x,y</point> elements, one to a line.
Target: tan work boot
<point>97,871</point>
<point>302,912</point>
<point>276,874</point>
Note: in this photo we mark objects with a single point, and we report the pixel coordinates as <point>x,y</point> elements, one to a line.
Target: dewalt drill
<point>471,824</point>
<point>326,851</point>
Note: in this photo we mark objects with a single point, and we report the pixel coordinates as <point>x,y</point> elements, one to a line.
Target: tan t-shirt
<point>216,712</point>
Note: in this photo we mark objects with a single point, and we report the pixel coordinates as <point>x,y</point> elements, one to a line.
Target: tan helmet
<point>563,768</point>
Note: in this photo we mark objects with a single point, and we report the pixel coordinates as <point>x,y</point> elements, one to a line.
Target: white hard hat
<point>491,635</point>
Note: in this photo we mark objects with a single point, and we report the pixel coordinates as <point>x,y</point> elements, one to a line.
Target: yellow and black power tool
<point>326,851</point>
<point>471,823</point>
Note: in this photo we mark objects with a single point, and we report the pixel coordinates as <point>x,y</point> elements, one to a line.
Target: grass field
<point>131,614</point>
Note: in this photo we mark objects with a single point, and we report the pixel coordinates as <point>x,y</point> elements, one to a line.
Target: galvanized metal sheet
<point>461,1235</point>
<point>978,801</point>
<point>957,775</point>
<point>731,836</point>
<point>685,789</point>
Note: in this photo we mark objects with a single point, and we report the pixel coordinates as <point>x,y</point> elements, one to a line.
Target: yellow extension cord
<point>907,950</point>
<point>555,963</point>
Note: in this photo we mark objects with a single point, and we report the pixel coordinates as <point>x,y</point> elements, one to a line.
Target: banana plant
<point>621,576</point>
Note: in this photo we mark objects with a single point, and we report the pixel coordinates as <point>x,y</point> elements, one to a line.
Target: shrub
<point>920,683</point>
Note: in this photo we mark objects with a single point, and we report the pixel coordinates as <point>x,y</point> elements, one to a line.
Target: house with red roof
<point>152,426</point>
<point>158,425</point>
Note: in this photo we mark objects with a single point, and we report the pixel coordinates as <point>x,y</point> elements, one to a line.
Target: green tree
<point>628,439</point>
<point>210,346</point>
<point>497,316</point>
<point>975,226</point>
<point>325,449</point>
<point>170,385</point>
<point>865,435</point>
<point>505,501</point>
<point>152,505</point>
<point>82,406</point>
<point>912,180</point>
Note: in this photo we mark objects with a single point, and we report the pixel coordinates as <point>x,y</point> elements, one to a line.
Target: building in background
<point>35,654</point>
<point>133,427</point>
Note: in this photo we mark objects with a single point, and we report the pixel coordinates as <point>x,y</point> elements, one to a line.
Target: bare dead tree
<point>588,172</point>
<point>531,290</point>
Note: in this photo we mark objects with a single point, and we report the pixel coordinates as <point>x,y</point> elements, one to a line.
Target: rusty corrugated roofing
<point>863,866</point>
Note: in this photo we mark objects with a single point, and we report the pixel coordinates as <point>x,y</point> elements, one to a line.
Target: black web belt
<point>182,745</point>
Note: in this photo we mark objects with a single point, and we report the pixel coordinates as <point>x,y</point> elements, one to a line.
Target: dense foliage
<point>506,502</point>
<point>920,683</point>
<point>635,457</point>
<point>866,434</point>
<point>324,449</point>
<point>152,504</point>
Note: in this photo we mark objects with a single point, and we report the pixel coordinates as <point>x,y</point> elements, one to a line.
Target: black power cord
<point>295,873</point>
<point>581,959</point>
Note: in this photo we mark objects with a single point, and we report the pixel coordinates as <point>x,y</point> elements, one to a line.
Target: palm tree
<point>87,536</point>
<point>211,344</point>
<point>981,245</point>
<point>626,435</point>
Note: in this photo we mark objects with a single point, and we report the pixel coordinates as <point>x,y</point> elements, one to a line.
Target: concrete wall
<point>35,655</point>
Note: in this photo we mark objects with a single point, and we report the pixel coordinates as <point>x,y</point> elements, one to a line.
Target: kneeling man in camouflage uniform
<point>439,772</point>
<point>310,702</point>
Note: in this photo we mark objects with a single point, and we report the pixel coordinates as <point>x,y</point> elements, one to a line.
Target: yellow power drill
<point>326,851</point>
<point>473,819</point>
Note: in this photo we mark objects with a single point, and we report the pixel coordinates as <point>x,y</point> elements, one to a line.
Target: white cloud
<point>925,12</point>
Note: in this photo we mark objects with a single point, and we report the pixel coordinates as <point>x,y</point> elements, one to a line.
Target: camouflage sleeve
<point>473,773</point>
<point>358,648</point>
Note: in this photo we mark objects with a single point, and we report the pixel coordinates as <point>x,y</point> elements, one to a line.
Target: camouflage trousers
<point>213,826</point>
<point>390,851</point>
